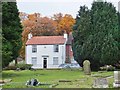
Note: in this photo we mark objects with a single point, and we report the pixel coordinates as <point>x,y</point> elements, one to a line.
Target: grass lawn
<point>51,77</point>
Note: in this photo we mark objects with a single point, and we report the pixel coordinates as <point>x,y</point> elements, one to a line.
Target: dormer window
<point>56,48</point>
<point>34,48</point>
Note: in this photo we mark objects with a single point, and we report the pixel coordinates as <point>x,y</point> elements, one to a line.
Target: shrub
<point>21,62</point>
<point>24,66</point>
<point>28,66</point>
<point>12,63</point>
<point>11,68</point>
<point>107,68</point>
<point>117,65</point>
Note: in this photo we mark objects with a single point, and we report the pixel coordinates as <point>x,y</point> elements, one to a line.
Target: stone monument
<point>86,67</point>
<point>100,83</point>
<point>116,83</point>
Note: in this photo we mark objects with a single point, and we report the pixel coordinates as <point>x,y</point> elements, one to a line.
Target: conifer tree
<point>97,37</point>
<point>11,32</point>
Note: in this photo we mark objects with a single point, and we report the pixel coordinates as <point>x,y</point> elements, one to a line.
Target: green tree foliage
<point>96,35</point>
<point>119,29</point>
<point>11,32</point>
<point>0,36</point>
<point>81,32</point>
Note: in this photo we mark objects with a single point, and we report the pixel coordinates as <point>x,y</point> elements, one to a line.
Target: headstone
<point>100,83</point>
<point>33,82</point>
<point>116,83</point>
<point>86,67</point>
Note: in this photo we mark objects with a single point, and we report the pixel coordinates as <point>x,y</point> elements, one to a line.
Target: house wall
<point>69,54</point>
<point>48,52</point>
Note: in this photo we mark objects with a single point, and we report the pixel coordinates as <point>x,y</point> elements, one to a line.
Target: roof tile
<point>46,40</point>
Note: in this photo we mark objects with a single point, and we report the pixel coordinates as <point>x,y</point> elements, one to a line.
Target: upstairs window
<point>34,48</point>
<point>56,48</point>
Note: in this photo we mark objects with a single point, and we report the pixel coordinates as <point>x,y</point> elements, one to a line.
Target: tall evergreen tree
<point>81,32</point>
<point>101,43</point>
<point>119,30</point>
<point>105,27</point>
<point>0,35</point>
<point>11,32</point>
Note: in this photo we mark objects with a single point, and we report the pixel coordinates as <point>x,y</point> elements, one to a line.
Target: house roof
<point>46,40</point>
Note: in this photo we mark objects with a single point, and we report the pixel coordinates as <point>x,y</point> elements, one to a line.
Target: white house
<point>46,51</point>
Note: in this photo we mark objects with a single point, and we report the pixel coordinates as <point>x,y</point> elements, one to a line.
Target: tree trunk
<point>16,62</point>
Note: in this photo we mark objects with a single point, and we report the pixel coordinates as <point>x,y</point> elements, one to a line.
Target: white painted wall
<point>48,51</point>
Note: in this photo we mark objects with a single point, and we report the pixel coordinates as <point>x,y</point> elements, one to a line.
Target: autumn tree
<point>44,27</point>
<point>66,24</point>
<point>57,18</point>
<point>23,16</point>
<point>63,23</point>
<point>28,22</point>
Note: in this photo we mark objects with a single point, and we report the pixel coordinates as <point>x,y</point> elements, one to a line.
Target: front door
<point>44,62</point>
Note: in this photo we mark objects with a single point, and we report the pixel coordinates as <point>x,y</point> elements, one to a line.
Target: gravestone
<point>100,83</point>
<point>116,83</point>
<point>33,82</point>
<point>86,67</point>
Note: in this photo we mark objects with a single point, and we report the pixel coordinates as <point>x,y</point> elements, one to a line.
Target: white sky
<point>50,7</point>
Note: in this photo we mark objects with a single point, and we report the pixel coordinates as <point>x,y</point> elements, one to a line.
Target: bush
<point>21,62</point>
<point>28,66</point>
<point>117,65</point>
<point>107,68</point>
<point>12,63</point>
<point>24,66</point>
<point>11,68</point>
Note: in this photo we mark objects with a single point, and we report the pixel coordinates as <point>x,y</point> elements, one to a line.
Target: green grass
<point>50,77</point>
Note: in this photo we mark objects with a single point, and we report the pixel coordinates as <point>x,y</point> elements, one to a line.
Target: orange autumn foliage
<point>66,23</point>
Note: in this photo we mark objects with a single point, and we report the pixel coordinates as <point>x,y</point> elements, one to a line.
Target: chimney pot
<point>30,36</point>
<point>65,35</point>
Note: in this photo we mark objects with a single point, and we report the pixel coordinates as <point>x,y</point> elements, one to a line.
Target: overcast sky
<point>50,7</point>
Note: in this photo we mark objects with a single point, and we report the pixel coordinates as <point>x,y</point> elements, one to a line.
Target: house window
<point>34,48</point>
<point>34,60</point>
<point>56,48</point>
<point>55,60</point>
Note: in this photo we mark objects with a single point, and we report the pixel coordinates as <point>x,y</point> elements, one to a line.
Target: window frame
<point>56,48</point>
<point>34,48</point>
<point>55,60</point>
<point>34,59</point>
